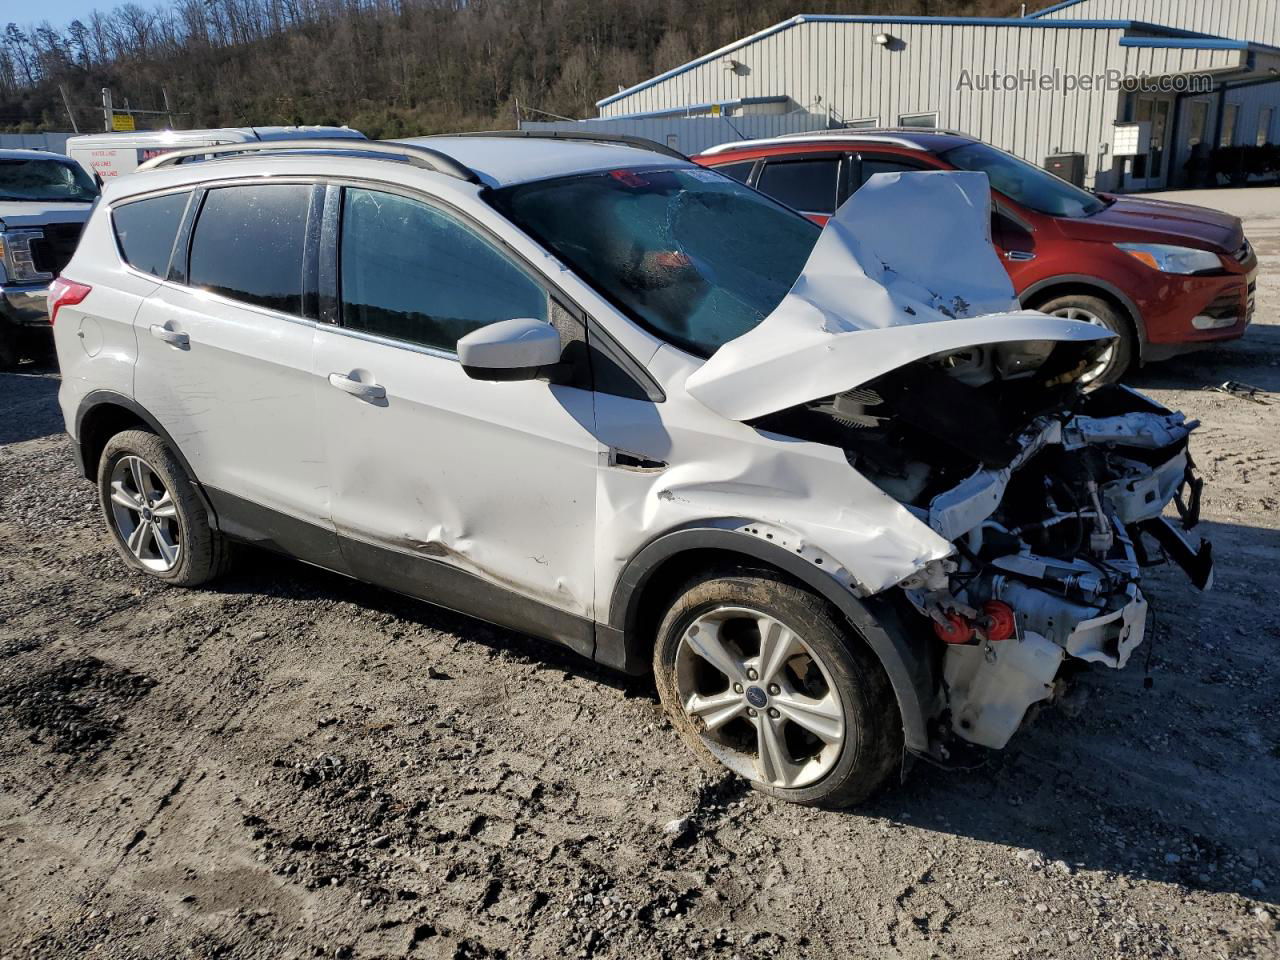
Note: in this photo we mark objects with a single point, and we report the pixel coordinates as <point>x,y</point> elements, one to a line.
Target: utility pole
<point>164,92</point>
<point>66,102</point>
<point>106,108</point>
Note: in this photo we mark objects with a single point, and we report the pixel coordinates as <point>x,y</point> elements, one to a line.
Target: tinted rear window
<point>248,244</point>
<point>805,185</point>
<point>146,230</point>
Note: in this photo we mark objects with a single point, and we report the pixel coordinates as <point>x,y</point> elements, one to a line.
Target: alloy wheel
<point>1104,359</point>
<point>145,515</point>
<point>763,702</point>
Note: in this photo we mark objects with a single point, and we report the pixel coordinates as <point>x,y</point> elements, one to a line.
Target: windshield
<point>47,180</point>
<point>694,256</point>
<point>1023,182</point>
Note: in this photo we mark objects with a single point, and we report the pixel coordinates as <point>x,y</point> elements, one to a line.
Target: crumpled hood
<point>34,213</point>
<point>905,269</point>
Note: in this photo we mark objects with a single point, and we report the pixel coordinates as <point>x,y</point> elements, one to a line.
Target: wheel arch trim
<point>909,670</point>
<point>1085,280</point>
<point>96,400</point>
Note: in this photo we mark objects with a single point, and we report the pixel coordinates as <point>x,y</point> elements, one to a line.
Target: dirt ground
<point>293,765</point>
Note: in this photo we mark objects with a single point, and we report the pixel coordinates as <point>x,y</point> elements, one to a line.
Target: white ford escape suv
<point>832,486</point>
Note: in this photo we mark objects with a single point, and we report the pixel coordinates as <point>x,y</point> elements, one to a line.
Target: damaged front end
<point>1046,494</point>
<point>903,346</point>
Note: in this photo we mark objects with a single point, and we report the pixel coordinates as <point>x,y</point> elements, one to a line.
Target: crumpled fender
<point>904,270</point>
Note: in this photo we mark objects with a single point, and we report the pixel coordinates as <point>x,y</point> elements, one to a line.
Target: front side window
<point>248,244</point>
<point>414,273</point>
<point>146,230</point>
<point>1023,182</point>
<point>739,171</point>
<point>868,167</point>
<point>805,185</point>
<point>693,256</point>
<point>48,181</point>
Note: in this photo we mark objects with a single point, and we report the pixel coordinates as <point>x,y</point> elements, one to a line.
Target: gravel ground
<point>293,765</point>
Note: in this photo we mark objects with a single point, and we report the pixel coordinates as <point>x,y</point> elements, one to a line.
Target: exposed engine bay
<point>1046,492</point>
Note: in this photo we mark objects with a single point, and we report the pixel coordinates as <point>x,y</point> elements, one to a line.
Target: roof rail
<point>410,153</point>
<point>816,136</point>
<point>640,143</point>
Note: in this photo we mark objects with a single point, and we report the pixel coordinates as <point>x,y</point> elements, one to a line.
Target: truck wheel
<point>767,679</point>
<point>1111,365</point>
<point>155,517</point>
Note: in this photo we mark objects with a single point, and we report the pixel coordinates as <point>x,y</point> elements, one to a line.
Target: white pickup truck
<point>45,199</point>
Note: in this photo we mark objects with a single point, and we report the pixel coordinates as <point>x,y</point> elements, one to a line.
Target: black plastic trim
<point>908,666</point>
<point>179,258</point>
<point>327,255</point>
<point>100,398</point>
<point>431,579</point>
<point>261,526</point>
<point>446,585</point>
<point>311,253</point>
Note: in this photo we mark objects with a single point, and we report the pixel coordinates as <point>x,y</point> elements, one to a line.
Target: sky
<point>57,12</point>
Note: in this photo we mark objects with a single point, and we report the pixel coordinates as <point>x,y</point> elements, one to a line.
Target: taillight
<point>63,292</point>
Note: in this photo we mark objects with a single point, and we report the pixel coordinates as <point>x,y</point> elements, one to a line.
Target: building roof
<point>1148,30</point>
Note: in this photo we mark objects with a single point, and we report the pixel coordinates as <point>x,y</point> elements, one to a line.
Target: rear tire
<point>813,720</point>
<point>1095,310</point>
<point>157,521</point>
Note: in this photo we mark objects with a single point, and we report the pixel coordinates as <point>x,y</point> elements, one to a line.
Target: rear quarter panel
<point>95,339</point>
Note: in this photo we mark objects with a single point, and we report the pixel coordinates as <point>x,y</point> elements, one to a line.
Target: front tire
<point>157,522</point>
<point>1095,310</point>
<point>767,679</point>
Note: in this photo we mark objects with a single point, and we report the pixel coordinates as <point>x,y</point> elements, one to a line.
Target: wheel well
<point>1075,287</point>
<point>649,604</point>
<point>98,426</point>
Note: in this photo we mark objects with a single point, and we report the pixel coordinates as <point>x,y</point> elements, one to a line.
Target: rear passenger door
<point>225,357</point>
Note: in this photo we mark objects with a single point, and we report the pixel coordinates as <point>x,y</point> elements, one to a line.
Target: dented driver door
<point>479,496</point>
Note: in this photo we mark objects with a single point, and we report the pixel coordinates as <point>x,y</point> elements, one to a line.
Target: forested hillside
<point>388,67</point>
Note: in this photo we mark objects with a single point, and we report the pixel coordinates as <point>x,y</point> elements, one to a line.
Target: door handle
<point>172,337</point>
<point>370,392</point>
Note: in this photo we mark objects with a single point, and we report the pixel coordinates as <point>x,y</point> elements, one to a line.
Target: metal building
<point>1141,88</point>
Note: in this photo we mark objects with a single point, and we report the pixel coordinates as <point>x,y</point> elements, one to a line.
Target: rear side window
<point>739,171</point>
<point>248,244</point>
<point>146,230</point>
<point>414,273</point>
<point>805,185</point>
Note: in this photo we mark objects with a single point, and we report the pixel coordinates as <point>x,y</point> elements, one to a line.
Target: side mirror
<point>509,350</point>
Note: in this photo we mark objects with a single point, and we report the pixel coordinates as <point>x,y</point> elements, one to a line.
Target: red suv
<point>1165,277</point>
